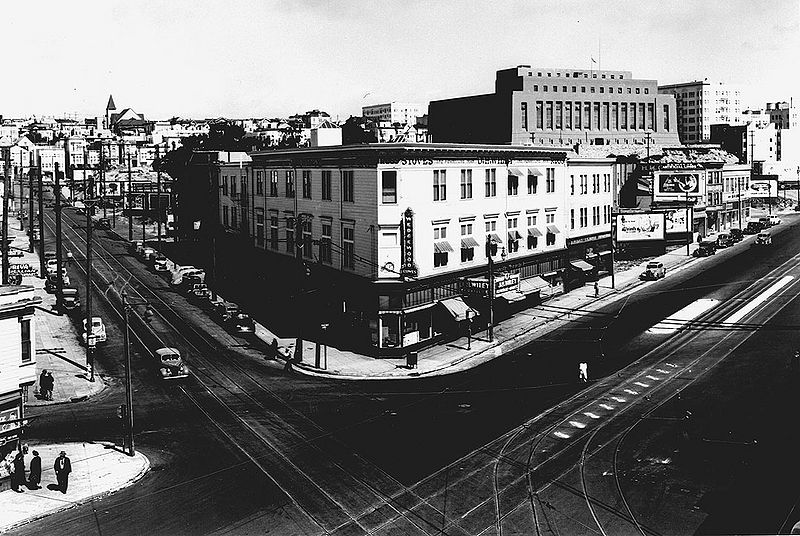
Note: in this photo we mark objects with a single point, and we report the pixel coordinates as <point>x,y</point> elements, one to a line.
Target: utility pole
<point>213,179</point>
<point>103,175</point>
<point>739,183</point>
<point>59,253</point>
<point>128,390</point>
<point>30,209</point>
<point>688,220</point>
<point>158,195</point>
<point>40,217</point>
<point>90,342</point>
<point>648,134</point>
<point>130,211</point>
<point>6,188</point>
<point>491,286</point>
<point>18,174</point>
<point>613,229</point>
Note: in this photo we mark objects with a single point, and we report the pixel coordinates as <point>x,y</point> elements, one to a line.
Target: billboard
<point>641,226</point>
<point>675,220</point>
<point>763,188</point>
<point>676,185</point>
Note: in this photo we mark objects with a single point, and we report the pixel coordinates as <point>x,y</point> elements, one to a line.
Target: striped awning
<point>442,246</point>
<point>534,171</point>
<point>514,235</point>
<point>468,242</point>
<point>516,171</point>
<point>532,284</point>
<point>552,229</point>
<point>459,309</point>
<point>494,237</point>
<point>533,231</point>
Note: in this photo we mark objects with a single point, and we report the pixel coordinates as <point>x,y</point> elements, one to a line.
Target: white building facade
<point>701,104</point>
<point>395,112</point>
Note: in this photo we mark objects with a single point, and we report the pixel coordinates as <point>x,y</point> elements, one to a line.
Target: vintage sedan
<point>171,365</point>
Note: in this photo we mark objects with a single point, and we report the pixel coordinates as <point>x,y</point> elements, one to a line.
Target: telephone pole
<point>90,342</point>
<point>489,242</point>
<point>158,195</point>
<point>6,188</point>
<point>59,253</point>
<point>40,217</point>
<point>130,208</point>
<point>30,209</point>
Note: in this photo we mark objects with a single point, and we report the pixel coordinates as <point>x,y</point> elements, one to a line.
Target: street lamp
<point>126,305</point>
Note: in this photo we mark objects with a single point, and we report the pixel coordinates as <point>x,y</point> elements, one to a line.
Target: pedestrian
<point>69,258</point>
<point>42,383</point>
<point>35,474</point>
<point>49,383</point>
<point>63,468</point>
<point>583,372</point>
<point>18,478</point>
<point>596,289</point>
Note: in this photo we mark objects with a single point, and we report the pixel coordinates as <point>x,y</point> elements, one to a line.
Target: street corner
<point>98,469</point>
<point>72,387</point>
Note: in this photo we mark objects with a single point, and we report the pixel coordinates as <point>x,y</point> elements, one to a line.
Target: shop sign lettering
<point>407,267</point>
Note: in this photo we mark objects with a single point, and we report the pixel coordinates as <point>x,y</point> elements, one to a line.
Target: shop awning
<point>516,171</point>
<point>512,296</point>
<point>514,235</point>
<point>533,231</point>
<point>534,171</point>
<point>494,237</point>
<point>532,284</point>
<point>582,265</point>
<point>457,308</point>
<point>442,246</point>
<point>468,242</point>
<point>552,229</point>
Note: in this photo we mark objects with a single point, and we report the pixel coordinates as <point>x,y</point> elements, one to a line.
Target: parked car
<point>763,239</point>
<point>134,246</point>
<point>199,293</point>
<point>193,278</point>
<point>170,364</point>
<point>70,298</point>
<point>753,227</point>
<point>21,215</point>
<point>724,240</point>
<point>98,330</point>
<point>102,223</point>
<point>736,234</point>
<point>654,270</point>
<point>147,254</point>
<point>51,283</point>
<point>179,271</point>
<point>241,323</point>
<point>49,254</point>
<point>160,263</point>
<point>705,248</point>
<point>51,265</point>
<point>774,220</point>
<point>224,311</point>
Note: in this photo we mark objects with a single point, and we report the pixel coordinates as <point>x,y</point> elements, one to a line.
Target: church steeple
<point>111,105</point>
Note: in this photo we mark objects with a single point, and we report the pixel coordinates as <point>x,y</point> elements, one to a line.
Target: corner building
<point>397,235</point>
<point>557,107</point>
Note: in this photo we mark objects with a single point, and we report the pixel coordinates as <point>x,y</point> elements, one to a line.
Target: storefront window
<point>390,331</point>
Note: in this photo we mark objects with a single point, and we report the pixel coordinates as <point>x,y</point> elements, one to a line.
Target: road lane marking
<point>631,392</point>
<point>640,384</point>
<point>654,378</point>
<point>671,365</point>
<point>618,399</point>
<point>662,371</point>
<point>591,415</point>
<point>577,424</point>
<point>607,407</point>
<point>562,435</point>
<point>761,298</point>
<point>677,320</point>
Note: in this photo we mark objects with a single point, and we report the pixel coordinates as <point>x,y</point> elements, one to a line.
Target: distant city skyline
<point>252,58</point>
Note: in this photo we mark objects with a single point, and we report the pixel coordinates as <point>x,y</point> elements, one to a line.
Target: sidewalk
<point>58,347</point>
<point>97,469</point>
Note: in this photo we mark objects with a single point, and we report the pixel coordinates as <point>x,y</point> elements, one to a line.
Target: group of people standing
<point>46,383</point>
<point>62,468</point>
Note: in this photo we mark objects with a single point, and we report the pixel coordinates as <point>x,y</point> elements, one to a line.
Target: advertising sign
<point>676,185</point>
<point>763,188</point>
<point>675,220</point>
<point>407,266</point>
<point>642,226</point>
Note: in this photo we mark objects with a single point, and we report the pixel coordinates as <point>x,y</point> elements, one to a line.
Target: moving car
<point>147,254</point>
<point>199,293</point>
<point>160,263</point>
<point>102,223</point>
<point>241,323</point>
<point>653,271</point>
<point>51,265</point>
<point>763,239</point>
<point>705,248</point>
<point>70,299</point>
<point>224,311</point>
<point>133,247</point>
<point>98,330</point>
<point>170,364</point>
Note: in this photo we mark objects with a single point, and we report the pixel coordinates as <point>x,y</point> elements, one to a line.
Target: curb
<point>85,500</point>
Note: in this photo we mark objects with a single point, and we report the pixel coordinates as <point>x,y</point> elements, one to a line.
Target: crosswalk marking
<point>671,365</point>
<point>617,399</point>
<point>577,424</point>
<point>662,371</point>
<point>631,392</point>
<point>591,415</point>
<point>606,406</point>
<point>562,435</point>
<point>655,378</point>
<point>640,384</point>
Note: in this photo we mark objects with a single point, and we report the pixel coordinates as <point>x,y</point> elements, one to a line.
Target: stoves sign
<point>407,266</point>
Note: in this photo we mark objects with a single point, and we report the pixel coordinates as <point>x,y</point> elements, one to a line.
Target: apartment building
<point>700,104</point>
<point>405,113</point>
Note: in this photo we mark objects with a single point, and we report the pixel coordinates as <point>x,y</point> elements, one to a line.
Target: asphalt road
<point>244,447</point>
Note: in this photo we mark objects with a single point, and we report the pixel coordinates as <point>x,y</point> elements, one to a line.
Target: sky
<point>263,58</point>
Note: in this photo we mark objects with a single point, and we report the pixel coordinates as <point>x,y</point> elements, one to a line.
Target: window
<point>25,329</point>
<point>524,113</point>
<point>607,182</point>
<point>533,183</point>
<point>548,115</point>
<point>559,112</point>
<point>306,245</point>
<point>224,185</point>
<point>306,184</point>
<point>348,186</point>
<point>273,232</point>
<point>491,182</point>
<point>233,186</point>
<point>273,183</point>
<point>290,235</point>
<point>225,216</point>
<point>260,226</point>
<point>491,226</point>
<point>584,215</point>
<point>572,185</point>
<point>595,183</point>
<point>243,185</point>
<point>259,182</point>
<point>439,185</point>
<point>348,246</point>
<point>289,183</point>
<point>234,218</point>
<point>439,255</point>
<point>513,184</point>
<point>539,116</point>
<point>389,186</point>
<point>513,235</point>
<point>572,218</point>
<point>325,243</point>
<point>466,184</point>
<point>550,186</point>
<point>326,184</point>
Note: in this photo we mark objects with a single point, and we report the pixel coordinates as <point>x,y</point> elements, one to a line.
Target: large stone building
<point>397,235</point>
<point>405,113</point>
<point>558,107</point>
<point>700,104</point>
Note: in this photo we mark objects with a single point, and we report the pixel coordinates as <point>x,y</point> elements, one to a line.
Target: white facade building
<point>395,112</point>
<point>701,104</point>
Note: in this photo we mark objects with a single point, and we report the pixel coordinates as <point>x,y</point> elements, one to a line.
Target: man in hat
<point>18,478</point>
<point>63,468</point>
<point>35,476</point>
